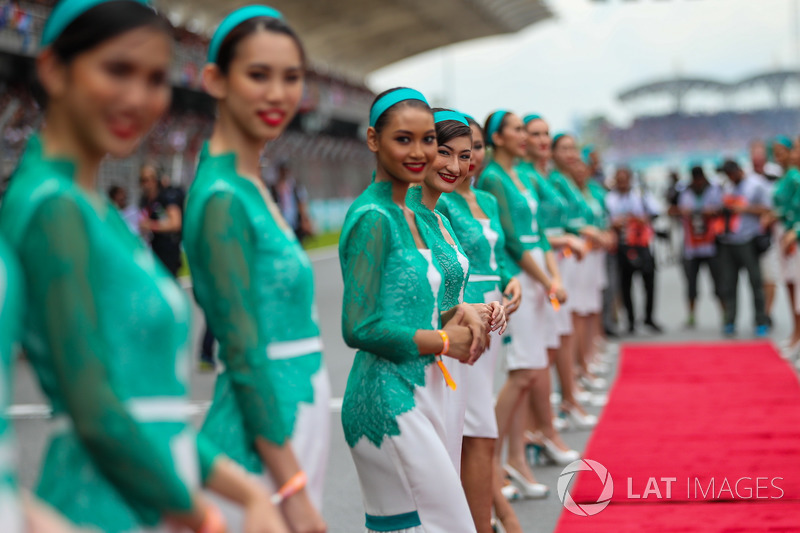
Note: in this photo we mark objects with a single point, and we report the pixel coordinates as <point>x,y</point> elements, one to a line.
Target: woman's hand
<point>498,320</point>
<point>557,289</point>
<point>512,296</point>
<point>301,515</point>
<point>577,246</point>
<point>468,316</point>
<point>788,242</point>
<point>460,341</point>
<point>261,516</point>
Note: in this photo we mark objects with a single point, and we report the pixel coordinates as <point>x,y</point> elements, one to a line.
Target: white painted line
<point>39,411</point>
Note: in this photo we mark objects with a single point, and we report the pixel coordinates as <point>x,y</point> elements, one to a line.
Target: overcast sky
<point>575,64</point>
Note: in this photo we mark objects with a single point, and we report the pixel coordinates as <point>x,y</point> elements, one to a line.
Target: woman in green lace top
<point>106,328</point>
<point>450,168</point>
<point>475,220</point>
<point>250,275</point>
<point>786,204</point>
<point>393,411</point>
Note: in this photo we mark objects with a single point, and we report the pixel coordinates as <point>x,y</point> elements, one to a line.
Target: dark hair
<point>558,138</point>
<point>103,22</point>
<point>384,118</point>
<point>473,122</point>
<point>697,173</point>
<point>487,138</point>
<point>114,190</point>
<point>227,48</point>
<point>448,130</point>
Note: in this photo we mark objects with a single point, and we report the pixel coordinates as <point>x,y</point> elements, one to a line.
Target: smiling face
<point>538,140</point>
<point>781,154</point>
<point>478,151</point>
<point>113,94</point>
<point>451,166</point>
<point>512,137</point>
<point>565,152</point>
<point>263,86</point>
<point>406,144</point>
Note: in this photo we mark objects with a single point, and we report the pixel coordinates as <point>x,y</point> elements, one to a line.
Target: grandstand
<point>685,134</point>
<point>324,145</point>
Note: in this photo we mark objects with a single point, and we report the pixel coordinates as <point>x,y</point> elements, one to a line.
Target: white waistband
<point>290,349</point>
<point>554,232</point>
<point>146,409</point>
<point>529,239</point>
<point>474,278</point>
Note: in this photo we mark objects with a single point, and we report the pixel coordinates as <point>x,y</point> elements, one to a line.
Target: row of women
<point>437,253</point>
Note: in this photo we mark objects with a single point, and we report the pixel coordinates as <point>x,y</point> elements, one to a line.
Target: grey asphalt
<point>342,506</point>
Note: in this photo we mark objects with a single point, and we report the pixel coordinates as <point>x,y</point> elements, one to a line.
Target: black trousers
<point>632,260</point>
<point>733,258</point>
<point>691,267</point>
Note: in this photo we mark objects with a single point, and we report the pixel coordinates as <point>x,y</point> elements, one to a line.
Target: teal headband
<point>390,99</point>
<point>441,116</point>
<point>65,13</point>
<point>783,140</point>
<point>531,118</point>
<point>234,19</point>
<point>586,152</point>
<point>558,137</point>
<point>494,123</point>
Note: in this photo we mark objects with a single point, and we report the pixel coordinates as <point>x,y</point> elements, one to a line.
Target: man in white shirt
<point>632,212</point>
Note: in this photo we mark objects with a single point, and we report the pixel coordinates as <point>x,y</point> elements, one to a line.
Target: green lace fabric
<point>595,196</point>
<point>106,328</point>
<point>255,284</point>
<point>455,275</point>
<point>484,259</point>
<point>387,298</point>
<point>516,216</point>
<point>577,208</point>
<point>10,323</point>
<point>786,198</point>
<point>553,211</point>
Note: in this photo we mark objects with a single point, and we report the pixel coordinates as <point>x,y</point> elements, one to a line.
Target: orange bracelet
<point>445,341</point>
<point>213,522</point>
<point>295,484</point>
<point>554,301</point>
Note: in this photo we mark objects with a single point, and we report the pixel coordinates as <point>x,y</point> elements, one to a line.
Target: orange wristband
<point>445,341</point>
<point>295,484</point>
<point>554,301</point>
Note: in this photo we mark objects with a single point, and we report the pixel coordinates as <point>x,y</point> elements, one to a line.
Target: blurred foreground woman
<point>106,327</point>
<point>252,277</point>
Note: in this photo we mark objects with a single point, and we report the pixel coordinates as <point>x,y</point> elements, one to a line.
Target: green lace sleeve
<point>207,452</point>
<point>228,255</point>
<point>363,265</point>
<point>59,263</point>
<point>494,186</point>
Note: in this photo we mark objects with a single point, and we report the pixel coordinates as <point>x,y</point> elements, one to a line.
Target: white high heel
<point>529,491</point>
<point>555,454</point>
<point>511,493</point>
<point>594,384</point>
<point>578,419</point>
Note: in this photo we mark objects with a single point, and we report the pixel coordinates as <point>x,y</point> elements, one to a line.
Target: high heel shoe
<point>530,491</point>
<point>593,384</point>
<point>577,419</point>
<point>511,493</point>
<point>543,451</point>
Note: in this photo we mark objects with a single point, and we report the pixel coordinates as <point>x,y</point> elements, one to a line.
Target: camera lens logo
<point>585,509</point>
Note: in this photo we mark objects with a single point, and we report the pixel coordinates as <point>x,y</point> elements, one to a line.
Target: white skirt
<point>480,420</point>
<point>587,282</point>
<point>310,443</point>
<point>528,326</point>
<point>566,266</point>
<point>409,483</point>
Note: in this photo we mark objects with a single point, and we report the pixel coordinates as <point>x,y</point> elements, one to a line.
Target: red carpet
<point>721,421</point>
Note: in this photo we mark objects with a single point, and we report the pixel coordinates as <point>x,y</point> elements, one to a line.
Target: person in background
<point>632,212</point>
<point>699,206</point>
<point>292,199</point>
<point>162,217</point>
<point>119,197</point>
<point>769,173</point>
<point>745,200</point>
<point>592,159</point>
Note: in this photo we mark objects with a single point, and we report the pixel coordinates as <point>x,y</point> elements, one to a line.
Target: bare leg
<point>769,297</point>
<point>477,465</point>
<point>505,513</point>
<point>516,443</point>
